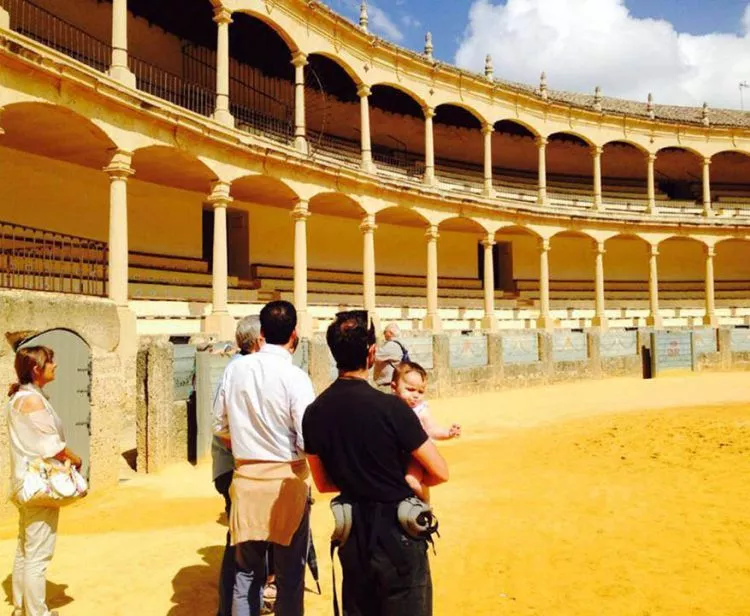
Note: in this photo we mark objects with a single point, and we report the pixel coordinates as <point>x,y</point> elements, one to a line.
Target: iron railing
<point>39,24</point>
<point>259,123</point>
<point>40,260</point>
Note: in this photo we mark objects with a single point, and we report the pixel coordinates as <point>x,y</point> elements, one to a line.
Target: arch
<point>731,151</point>
<point>387,84</point>
<point>678,236</point>
<point>57,132</point>
<point>291,43</point>
<point>464,107</point>
<point>579,233</point>
<point>264,190</point>
<point>572,133</point>
<point>628,235</point>
<point>629,142</point>
<point>680,147</point>
<point>464,224</point>
<point>171,166</point>
<point>534,133</point>
<point>513,228</point>
<point>401,215</point>
<point>348,69</point>
<point>336,204</point>
<point>732,239</point>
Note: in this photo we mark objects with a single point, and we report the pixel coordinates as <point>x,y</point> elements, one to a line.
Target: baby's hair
<point>404,368</point>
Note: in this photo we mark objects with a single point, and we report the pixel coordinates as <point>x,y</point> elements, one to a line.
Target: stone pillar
<point>709,319</point>
<point>487,131</point>
<point>299,60</point>
<point>545,319</point>
<point>364,93</point>
<point>654,318</point>
<point>368,227</point>
<point>429,147</point>
<point>489,322</point>
<point>222,17</point>
<point>300,214</point>
<point>650,183</point>
<point>119,68</point>
<point>600,317</point>
<point>4,21</point>
<point>220,321</point>
<point>432,320</point>
<point>596,153</point>
<point>707,211</point>
<point>541,143</point>
<point>119,170</point>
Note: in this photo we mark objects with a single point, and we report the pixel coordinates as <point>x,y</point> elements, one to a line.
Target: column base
<point>300,144</point>
<point>708,211</point>
<point>489,324</point>
<point>598,206</point>
<point>433,323</point>
<point>600,323</point>
<point>488,192</point>
<point>222,116</point>
<point>654,321</point>
<point>304,324</point>
<point>652,210</point>
<point>120,73</point>
<point>221,324</point>
<point>368,166</point>
<point>4,19</point>
<point>429,179</point>
<point>710,320</point>
<point>542,201</point>
<point>546,323</point>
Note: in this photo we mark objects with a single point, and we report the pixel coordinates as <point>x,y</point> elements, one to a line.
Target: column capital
<point>119,167</point>
<point>599,248</point>
<point>710,251</point>
<point>368,223</point>
<point>596,150</point>
<point>363,90</point>
<point>654,250</point>
<point>431,233</point>
<point>488,240</point>
<point>706,160</point>
<point>300,211</point>
<point>541,141</point>
<point>487,128</point>
<point>222,15</point>
<point>429,112</point>
<point>650,157</point>
<point>544,244</point>
<point>299,58</point>
<point>220,194</point>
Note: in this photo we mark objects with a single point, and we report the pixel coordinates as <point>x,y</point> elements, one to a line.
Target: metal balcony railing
<point>40,260</point>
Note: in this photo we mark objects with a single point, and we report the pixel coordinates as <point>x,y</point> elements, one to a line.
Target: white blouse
<point>32,435</point>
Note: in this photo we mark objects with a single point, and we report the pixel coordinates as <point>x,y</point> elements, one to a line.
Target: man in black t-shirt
<point>358,441</point>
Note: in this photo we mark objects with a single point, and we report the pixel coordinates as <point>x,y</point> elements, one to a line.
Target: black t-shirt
<point>364,438</point>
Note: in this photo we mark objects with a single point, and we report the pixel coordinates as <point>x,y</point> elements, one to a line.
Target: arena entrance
<point>238,245</point>
<point>70,392</point>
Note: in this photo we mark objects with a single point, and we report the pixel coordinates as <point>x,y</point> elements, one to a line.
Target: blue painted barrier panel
<point>618,343</point>
<point>705,340</point>
<point>521,348</point>
<point>183,371</point>
<point>569,346</point>
<point>740,340</point>
<point>468,351</point>
<point>209,370</point>
<point>671,351</point>
<point>420,350</point>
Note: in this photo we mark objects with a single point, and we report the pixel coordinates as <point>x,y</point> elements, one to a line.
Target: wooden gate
<point>70,392</point>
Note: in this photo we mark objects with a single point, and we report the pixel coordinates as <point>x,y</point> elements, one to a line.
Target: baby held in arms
<point>409,383</point>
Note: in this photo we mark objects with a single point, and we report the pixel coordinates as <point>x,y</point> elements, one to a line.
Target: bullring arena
<point>166,168</point>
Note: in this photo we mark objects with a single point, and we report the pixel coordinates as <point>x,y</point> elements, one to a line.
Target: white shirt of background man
<point>260,403</point>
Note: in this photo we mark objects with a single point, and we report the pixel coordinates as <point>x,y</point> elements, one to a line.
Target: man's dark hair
<point>277,322</point>
<point>349,337</point>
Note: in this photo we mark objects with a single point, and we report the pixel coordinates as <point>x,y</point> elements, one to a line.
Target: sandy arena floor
<point>568,500</point>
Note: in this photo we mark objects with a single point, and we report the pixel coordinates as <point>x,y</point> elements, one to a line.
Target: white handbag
<point>51,483</point>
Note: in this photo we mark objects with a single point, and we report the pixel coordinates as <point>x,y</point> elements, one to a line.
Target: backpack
<point>404,351</point>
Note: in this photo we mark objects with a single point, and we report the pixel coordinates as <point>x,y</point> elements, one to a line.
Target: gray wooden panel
<point>671,351</point>
<point>70,392</point>
<point>183,370</point>
<point>618,343</point>
<point>569,346</point>
<point>520,348</point>
<point>468,351</point>
<point>740,340</point>
<point>208,373</point>
<point>420,350</point>
<point>705,340</point>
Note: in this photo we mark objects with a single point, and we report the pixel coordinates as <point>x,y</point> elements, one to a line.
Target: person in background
<point>35,431</point>
<point>390,354</point>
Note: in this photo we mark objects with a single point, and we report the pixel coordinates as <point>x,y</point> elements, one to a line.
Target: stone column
<point>364,93</point>
<point>429,147</point>
<point>220,321</point>
<point>299,60</point>
<point>368,227</point>
<point>650,183</point>
<point>600,316</point>
<point>489,322</point>
<point>545,319</point>
<point>654,318</point>
<point>119,170</point>
<point>487,131</point>
<point>596,153</point>
<point>4,20</point>
<point>300,214</point>
<point>119,68</point>
<point>432,320</point>
<point>709,319</point>
<point>707,211</point>
<point>541,143</point>
<point>222,17</point>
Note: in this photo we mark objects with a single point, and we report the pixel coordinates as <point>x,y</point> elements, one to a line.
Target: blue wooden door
<point>70,392</point>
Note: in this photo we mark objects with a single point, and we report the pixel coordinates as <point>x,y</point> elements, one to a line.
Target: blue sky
<point>683,51</point>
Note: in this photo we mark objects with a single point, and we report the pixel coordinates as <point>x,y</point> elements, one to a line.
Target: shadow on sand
<point>56,595</point>
<point>195,587</point>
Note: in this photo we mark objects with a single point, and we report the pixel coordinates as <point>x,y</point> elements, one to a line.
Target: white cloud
<point>381,23</point>
<point>584,43</point>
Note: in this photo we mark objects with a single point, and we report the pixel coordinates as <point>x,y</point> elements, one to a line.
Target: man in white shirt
<point>259,408</point>
<point>389,355</point>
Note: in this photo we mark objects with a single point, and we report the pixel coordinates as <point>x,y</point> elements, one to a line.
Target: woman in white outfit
<point>35,432</point>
